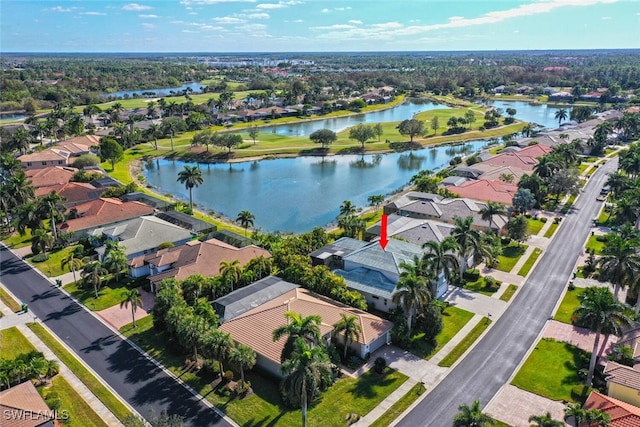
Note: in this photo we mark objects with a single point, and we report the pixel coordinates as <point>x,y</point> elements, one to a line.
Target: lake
<point>298,194</point>
<point>159,92</point>
<point>540,114</point>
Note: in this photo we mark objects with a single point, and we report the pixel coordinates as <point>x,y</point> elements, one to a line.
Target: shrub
<point>455,161</point>
<point>355,362</point>
<point>579,393</point>
<point>379,364</point>
<point>430,322</point>
<point>601,238</point>
<point>571,286</point>
<point>489,281</point>
<point>53,401</point>
<point>543,220</point>
<point>40,257</point>
<point>471,275</point>
<point>85,160</point>
<point>228,376</point>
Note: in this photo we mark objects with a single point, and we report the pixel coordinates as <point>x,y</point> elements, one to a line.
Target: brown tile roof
<point>82,143</point>
<point>623,375</point>
<point>255,327</point>
<point>622,414</point>
<point>23,399</point>
<point>104,211</point>
<point>494,191</point>
<point>73,192</point>
<point>198,258</point>
<point>50,176</point>
<point>45,156</point>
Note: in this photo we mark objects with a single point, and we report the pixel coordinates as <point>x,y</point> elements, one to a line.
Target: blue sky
<point>316,25</point>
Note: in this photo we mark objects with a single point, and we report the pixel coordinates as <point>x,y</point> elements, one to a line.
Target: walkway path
<point>514,406</point>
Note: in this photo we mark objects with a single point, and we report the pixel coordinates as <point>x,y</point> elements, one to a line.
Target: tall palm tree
<point>245,218</point>
<point>468,240</point>
<point>115,259</point>
<point>619,261</point>
<point>231,272</point>
<point>561,115</point>
<point>50,203</point>
<point>131,297</point>
<point>73,262</point>
<point>546,167</point>
<point>472,416</point>
<point>440,257</point>
<point>412,293</point>
<point>574,411</point>
<point>190,176</point>
<point>191,330</point>
<point>491,209</point>
<point>545,420</point>
<point>217,345</point>
<point>242,357</point>
<point>307,328</point>
<point>617,181</point>
<point>41,241</point>
<point>304,372</point>
<point>566,153</point>
<point>155,130</point>
<point>602,313</point>
<point>93,272</point>
<point>350,326</point>
<point>347,208</point>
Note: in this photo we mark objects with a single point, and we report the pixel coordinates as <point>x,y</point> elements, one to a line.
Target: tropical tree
<point>602,313</point>
<point>245,218</point>
<point>350,326</point>
<point>411,128</point>
<point>325,137</point>
<point>49,205</point>
<point>347,208</point>
<point>131,297</point>
<point>190,331</point>
<point>253,133</point>
<point>304,373</point>
<point>41,241</point>
<point>93,272</point>
<point>472,416</point>
<point>412,293</point>
<point>111,150</point>
<point>440,257</point>
<point>491,209</point>
<point>73,262</point>
<point>468,241</point>
<point>217,345</point>
<point>545,420</point>
<point>190,176</point>
<point>115,258</point>
<point>306,328</point>
<point>242,357</point>
<point>231,272</point>
<point>577,414</point>
<point>154,130</point>
<point>361,133</point>
<point>561,114</point>
<point>375,200</point>
<point>619,261</point>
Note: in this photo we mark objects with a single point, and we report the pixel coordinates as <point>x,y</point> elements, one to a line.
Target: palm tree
<point>491,209</point>
<point>574,412</point>
<point>351,328</point>
<point>617,182</point>
<point>155,130</point>
<point>115,259</point>
<point>347,208</point>
<point>440,257</point>
<point>41,241</point>
<point>546,167</point>
<point>412,292</point>
<point>600,312</point>
<point>472,416</point>
<point>191,330</point>
<point>561,115</point>
<point>190,176</point>
<point>545,420</point>
<point>467,239</point>
<point>170,126</point>
<point>242,357</point>
<point>307,328</point>
<point>245,218</point>
<point>50,203</point>
<point>131,297</point>
<point>231,272</point>
<point>93,272</point>
<point>73,262</point>
<point>217,345</point>
<point>619,261</point>
<point>304,373</point>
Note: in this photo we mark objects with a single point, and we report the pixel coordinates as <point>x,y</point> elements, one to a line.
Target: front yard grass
<point>568,305</point>
<point>13,343</point>
<point>594,244</point>
<point>53,266</point>
<point>526,267</point>
<point>534,226</point>
<point>8,300</point>
<point>80,413</point>
<point>480,286</point>
<point>112,403</point>
<point>552,229</point>
<point>110,294</point>
<point>15,240</point>
<point>454,319</point>
<point>264,408</point>
<point>510,256</point>
<point>464,345</point>
<point>551,370</point>
<point>400,406</point>
<point>508,293</point>
<point>568,204</point>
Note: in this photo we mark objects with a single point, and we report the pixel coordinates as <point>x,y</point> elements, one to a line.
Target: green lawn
<point>568,305</point>
<point>454,319</point>
<point>508,293</point>
<point>583,167</point>
<point>534,227</point>
<point>8,300</point>
<point>568,204</point>
<point>551,370</point>
<point>13,343</point>
<point>53,266</point>
<point>464,345</point>
<point>79,411</point>
<point>109,295</point>
<point>481,286</point>
<point>88,379</point>
<point>400,406</point>
<point>510,256</point>
<point>526,267</point>
<point>594,244</point>
<point>263,408</point>
<point>15,240</point>
<point>552,229</point>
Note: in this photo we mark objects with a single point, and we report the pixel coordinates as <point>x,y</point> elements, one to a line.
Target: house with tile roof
<point>525,159</point>
<point>143,235</point>
<point>623,382</point>
<point>73,192</point>
<point>485,190</point>
<point>265,312</point>
<point>54,175</point>
<point>22,406</point>
<point>622,413</point>
<point>194,257</point>
<point>60,154</point>
<point>413,230</point>
<point>86,217</point>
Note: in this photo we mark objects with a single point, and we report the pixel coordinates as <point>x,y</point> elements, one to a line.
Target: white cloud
<point>342,9</point>
<point>148,16</point>
<point>228,20</point>
<point>61,9</point>
<point>606,18</point>
<point>206,2</point>
<point>355,21</point>
<point>135,7</point>
<point>268,6</point>
<point>325,10</point>
<point>147,25</point>
<point>93,13</point>
<point>258,16</point>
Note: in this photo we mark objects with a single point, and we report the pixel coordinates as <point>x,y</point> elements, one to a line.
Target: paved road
<point>491,363</point>
<point>141,383</point>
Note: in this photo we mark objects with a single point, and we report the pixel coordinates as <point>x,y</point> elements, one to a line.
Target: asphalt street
<point>136,379</point>
<point>493,360</point>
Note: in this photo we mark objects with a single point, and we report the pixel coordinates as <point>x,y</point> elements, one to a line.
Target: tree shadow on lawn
<point>580,361</point>
<point>365,386</point>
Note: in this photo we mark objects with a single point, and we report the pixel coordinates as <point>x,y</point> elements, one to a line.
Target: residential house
<point>525,159</point>
<point>194,257</point>
<point>74,193</point>
<point>143,235</point>
<point>87,216</point>
<point>413,230</point>
<point>331,255</point>
<point>623,382</point>
<point>22,406</point>
<point>622,414</point>
<point>60,154</point>
<point>50,175</point>
<point>252,313</point>
<point>485,190</point>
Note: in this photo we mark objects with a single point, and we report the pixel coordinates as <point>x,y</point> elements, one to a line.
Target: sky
<point>316,25</point>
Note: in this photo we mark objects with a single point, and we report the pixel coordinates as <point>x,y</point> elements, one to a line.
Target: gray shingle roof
<point>341,247</point>
<point>374,257</point>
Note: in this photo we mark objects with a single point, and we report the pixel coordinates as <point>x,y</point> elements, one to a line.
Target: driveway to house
<point>145,386</point>
<point>491,363</point>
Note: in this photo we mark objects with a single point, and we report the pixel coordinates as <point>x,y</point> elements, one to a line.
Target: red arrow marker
<point>383,232</point>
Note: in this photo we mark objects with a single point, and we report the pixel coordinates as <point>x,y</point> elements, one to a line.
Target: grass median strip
<point>462,347</point>
<point>526,267</point>
<point>508,293</point>
<point>400,406</point>
<point>9,301</point>
<point>552,229</point>
<point>88,379</point>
